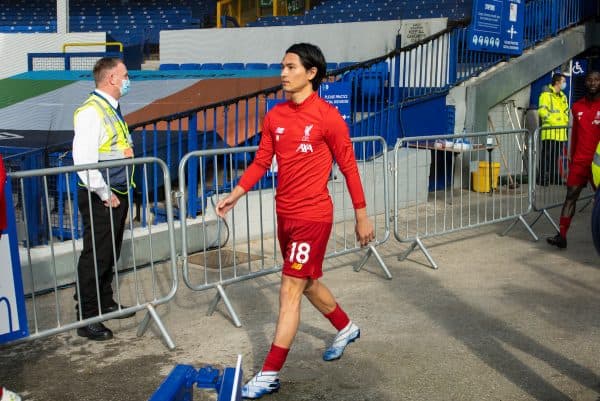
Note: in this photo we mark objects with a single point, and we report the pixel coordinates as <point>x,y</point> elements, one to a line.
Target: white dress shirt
<point>89,136</point>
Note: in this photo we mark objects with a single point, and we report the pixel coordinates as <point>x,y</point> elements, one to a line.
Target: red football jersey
<point>305,138</point>
<point>586,130</point>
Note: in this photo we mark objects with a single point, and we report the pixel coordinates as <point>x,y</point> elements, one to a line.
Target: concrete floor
<point>504,318</point>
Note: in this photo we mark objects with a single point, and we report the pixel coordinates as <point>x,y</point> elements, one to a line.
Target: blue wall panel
<point>425,117</point>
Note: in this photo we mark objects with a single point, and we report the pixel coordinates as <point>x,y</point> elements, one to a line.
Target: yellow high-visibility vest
<point>553,109</point>
<point>118,144</point>
<point>596,167</point>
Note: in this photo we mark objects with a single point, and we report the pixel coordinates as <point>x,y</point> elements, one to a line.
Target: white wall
<point>353,41</point>
<point>508,114</point>
<point>15,46</point>
<point>498,114</point>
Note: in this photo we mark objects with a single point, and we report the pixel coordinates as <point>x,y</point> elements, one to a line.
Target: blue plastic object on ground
<point>179,385</point>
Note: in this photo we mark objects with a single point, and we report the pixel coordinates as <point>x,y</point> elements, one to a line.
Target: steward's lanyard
<point>117,111</point>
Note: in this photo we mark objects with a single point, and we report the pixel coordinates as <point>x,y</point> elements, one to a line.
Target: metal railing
<point>245,245</point>
<point>545,18</point>
<point>441,185</point>
<point>449,183</point>
<point>550,172</point>
<point>49,279</point>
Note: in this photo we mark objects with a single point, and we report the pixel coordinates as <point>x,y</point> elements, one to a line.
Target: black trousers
<point>551,157</point>
<point>105,258</point>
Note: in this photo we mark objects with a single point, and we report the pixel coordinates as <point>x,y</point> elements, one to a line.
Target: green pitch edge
<point>16,90</point>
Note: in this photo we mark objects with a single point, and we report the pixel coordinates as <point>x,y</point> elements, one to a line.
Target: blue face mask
<point>125,85</point>
<point>563,86</point>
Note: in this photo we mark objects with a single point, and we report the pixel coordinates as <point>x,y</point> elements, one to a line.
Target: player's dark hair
<point>310,56</point>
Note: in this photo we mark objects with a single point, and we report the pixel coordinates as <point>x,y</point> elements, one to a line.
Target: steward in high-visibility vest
<point>101,135</point>
<point>553,109</point>
<point>118,144</point>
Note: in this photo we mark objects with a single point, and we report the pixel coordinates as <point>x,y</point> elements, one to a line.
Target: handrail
<point>222,103</point>
<point>84,44</point>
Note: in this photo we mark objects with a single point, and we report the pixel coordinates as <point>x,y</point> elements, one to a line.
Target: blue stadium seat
<point>371,84</point>
<point>212,66</point>
<point>190,66</point>
<point>337,11</point>
<point>275,66</point>
<point>332,66</point>
<point>168,67</point>
<point>233,66</point>
<point>257,66</point>
<point>381,67</point>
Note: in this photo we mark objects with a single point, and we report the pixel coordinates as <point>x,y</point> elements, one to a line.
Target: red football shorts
<point>579,174</point>
<point>303,245</point>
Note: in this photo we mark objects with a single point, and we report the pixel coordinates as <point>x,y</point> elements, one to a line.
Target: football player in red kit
<point>305,134</point>
<point>584,139</point>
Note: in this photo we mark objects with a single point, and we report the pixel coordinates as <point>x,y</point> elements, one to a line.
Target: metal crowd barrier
<point>49,281</point>
<point>244,245</point>
<point>549,176</point>
<point>448,183</point>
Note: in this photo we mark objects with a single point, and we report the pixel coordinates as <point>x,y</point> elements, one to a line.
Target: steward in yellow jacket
<point>553,109</point>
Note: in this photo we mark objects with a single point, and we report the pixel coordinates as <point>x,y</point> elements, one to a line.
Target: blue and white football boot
<point>262,383</point>
<point>344,337</point>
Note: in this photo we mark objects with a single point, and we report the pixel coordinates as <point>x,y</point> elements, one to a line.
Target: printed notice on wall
<point>497,26</point>
<point>338,94</point>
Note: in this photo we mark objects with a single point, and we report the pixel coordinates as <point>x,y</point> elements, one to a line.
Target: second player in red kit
<point>584,139</point>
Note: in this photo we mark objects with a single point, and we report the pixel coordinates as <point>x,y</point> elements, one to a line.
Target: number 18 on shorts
<point>303,246</point>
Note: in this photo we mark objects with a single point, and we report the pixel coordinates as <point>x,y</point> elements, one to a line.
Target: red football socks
<point>565,222</point>
<point>275,359</point>
<point>338,318</point>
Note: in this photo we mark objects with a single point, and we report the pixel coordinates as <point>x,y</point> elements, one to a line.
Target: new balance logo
<point>304,148</point>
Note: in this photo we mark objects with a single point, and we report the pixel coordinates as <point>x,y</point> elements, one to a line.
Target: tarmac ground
<point>503,318</point>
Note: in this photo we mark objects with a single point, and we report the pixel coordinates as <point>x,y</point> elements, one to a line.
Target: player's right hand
<point>228,203</point>
<point>113,201</point>
<point>224,206</point>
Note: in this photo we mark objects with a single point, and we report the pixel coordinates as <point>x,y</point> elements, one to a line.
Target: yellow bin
<point>481,177</point>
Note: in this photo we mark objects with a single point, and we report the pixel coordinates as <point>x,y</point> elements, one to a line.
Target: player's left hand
<point>364,231</point>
